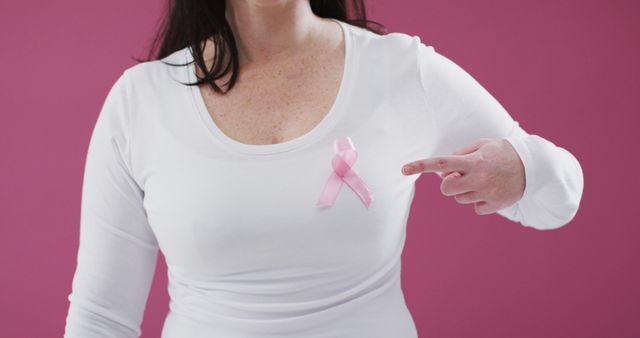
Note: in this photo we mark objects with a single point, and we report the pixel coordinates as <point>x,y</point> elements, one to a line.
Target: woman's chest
<point>215,210</point>
<point>224,214</point>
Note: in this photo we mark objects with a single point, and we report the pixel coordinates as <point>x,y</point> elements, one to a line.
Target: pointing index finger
<point>441,164</point>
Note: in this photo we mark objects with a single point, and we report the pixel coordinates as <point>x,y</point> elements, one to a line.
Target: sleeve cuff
<point>521,147</point>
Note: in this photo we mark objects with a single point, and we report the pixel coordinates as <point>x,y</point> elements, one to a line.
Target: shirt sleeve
<point>463,111</point>
<point>117,252</point>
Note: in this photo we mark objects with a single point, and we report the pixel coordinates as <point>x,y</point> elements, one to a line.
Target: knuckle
<point>418,166</point>
<point>442,163</point>
<point>478,159</point>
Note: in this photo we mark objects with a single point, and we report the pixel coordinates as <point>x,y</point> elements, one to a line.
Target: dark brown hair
<point>187,23</point>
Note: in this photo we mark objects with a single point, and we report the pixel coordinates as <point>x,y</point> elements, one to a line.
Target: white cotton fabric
<point>248,252</point>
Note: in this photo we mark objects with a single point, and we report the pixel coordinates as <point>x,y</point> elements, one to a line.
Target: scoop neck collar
<point>319,130</point>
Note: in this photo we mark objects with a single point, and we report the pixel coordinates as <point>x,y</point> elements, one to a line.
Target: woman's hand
<point>488,173</point>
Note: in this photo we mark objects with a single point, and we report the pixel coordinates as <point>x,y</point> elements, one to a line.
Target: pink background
<point>567,70</point>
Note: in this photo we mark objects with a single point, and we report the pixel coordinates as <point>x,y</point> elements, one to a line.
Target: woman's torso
<point>247,250</point>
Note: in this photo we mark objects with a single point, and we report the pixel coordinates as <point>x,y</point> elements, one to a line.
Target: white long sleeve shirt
<point>248,252</point>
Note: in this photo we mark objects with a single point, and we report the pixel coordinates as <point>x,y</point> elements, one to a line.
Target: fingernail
<point>406,169</point>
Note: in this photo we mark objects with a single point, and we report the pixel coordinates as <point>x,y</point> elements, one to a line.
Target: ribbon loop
<point>345,155</point>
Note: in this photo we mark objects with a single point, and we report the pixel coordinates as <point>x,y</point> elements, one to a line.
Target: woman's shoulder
<point>153,88</point>
<point>389,56</point>
<point>158,72</point>
<point>392,42</point>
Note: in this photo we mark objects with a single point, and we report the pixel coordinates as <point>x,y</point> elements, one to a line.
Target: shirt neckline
<point>319,130</point>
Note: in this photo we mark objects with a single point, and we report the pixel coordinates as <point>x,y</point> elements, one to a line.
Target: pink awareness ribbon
<point>342,162</point>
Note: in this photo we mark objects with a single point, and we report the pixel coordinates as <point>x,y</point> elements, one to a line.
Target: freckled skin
<point>281,98</point>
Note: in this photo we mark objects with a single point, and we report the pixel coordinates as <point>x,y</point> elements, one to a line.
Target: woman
<point>274,187</point>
